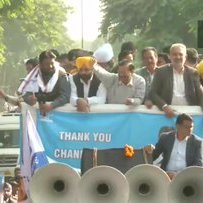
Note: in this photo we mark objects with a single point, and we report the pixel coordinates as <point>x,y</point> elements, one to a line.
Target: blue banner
<point>64,135</point>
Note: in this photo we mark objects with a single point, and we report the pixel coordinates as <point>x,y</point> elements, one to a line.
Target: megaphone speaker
<point>148,184</point>
<point>103,184</point>
<point>54,183</point>
<point>187,186</point>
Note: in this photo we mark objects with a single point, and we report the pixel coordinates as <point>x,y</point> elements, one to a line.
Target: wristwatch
<point>165,105</point>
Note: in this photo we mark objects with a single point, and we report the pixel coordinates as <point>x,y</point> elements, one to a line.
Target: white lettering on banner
<point>67,153</point>
<point>102,137</point>
<point>85,136</point>
<point>75,136</point>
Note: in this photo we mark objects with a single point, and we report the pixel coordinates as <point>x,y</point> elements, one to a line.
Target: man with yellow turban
<point>86,88</point>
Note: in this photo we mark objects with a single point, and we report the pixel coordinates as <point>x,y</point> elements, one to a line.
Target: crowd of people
<point>84,78</point>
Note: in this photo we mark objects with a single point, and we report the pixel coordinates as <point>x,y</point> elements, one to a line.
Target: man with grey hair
<point>176,83</point>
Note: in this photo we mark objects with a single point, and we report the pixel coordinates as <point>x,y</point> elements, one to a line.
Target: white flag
<point>33,153</point>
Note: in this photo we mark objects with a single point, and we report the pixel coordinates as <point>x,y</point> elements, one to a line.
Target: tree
<point>155,23</point>
<point>8,10</point>
<point>27,28</point>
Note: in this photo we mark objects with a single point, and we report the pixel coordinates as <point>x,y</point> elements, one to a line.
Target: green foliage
<point>38,27</point>
<point>2,47</point>
<point>28,27</point>
<point>8,10</point>
<point>154,22</point>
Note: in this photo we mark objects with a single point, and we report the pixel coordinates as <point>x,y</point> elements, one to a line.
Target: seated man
<point>47,83</point>
<point>124,87</point>
<point>179,148</point>
<point>86,88</point>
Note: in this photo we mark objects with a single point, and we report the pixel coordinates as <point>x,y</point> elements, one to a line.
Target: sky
<point>91,19</point>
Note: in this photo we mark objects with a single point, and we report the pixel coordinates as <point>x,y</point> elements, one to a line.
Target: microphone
<point>41,97</point>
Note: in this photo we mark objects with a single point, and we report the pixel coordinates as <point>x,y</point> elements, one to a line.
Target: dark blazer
<point>147,76</point>
<point>162,86</point>
<point>165,146</point>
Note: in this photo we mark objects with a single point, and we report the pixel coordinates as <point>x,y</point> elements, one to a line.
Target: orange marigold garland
<point>129,151</point>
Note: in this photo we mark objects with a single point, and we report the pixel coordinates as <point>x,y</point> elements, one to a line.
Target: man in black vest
<point>46,84</point>
<point>86,88</point>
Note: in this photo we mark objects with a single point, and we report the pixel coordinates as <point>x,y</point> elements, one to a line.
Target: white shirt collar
<point>82,81</point>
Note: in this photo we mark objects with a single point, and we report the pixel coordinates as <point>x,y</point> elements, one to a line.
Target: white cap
<point>104,53</point>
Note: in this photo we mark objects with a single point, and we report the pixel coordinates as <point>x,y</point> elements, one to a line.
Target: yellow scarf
<point>200,68</point>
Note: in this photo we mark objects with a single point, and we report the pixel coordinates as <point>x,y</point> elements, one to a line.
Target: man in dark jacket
<point>175,83</point>
<point>179,148</point>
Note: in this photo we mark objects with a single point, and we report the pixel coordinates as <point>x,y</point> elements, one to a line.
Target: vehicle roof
<point>9,118</point>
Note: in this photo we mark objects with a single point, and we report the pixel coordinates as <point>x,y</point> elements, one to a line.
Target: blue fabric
<point>64,135</point>
<point>38,160</point>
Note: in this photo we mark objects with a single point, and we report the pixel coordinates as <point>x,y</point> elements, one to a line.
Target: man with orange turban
<point>86,88</point>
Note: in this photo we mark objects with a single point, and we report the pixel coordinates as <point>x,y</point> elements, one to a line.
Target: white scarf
<point>33,81</point>
<point>28,81</point>
<point>51,83</point>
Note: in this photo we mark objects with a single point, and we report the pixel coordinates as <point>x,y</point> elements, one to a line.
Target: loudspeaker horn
<point>54,183</point>
<point>187,186</point>
<point>148,184</point>
<point>103,184</point>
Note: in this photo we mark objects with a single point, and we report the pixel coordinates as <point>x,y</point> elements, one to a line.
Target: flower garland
<point>129,151</point>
